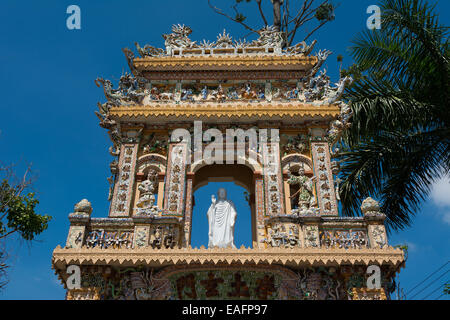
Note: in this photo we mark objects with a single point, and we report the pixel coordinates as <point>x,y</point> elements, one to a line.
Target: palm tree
<point>399,141</point>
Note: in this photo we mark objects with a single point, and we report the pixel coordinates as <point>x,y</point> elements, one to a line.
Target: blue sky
<point>49,96</point>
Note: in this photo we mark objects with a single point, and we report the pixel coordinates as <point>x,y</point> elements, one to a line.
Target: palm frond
<point>396,168</point>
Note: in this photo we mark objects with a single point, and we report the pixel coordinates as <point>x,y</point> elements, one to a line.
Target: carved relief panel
<point>311,234</point>
<point>109,239</point>
<point>75,237</point>
<point>273,178</point>
<point>324,184</point>
<point>141,236</point>
<point>283,235</point>
<point>120,206</point>
<point>176,180</point>
<point>377,235</point>
<point>166,236</point>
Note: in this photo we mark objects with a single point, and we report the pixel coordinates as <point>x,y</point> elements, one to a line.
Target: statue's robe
<point>221,218</point>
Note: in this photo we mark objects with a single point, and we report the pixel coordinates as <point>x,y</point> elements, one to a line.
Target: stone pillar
<point>287,193</point>
<point>375,223</point>
<point>189,208</point>
<point>324,179</point>
<point>273,179</point>
<point>252,201</point>
<point>176,180</point>
<point>160,200</point>
<point>123,189</point>
<point>79,220</point>
<point>259,207</point>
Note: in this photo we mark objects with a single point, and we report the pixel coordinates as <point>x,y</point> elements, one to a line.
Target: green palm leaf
<point>399,141</point>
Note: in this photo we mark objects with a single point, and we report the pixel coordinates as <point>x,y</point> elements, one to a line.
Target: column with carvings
<point>260,210</point>
<point>326,193</point>
<point>188,209</point>
<point>79,220</point>
<point>375,223</point>
<point>175,180</point>
<point>160,198</point>
<point>123,188</point>
<point>287,193</point>
<point>273,178</point>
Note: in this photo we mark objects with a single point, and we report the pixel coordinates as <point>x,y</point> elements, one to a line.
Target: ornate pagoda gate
<point>301,248</point>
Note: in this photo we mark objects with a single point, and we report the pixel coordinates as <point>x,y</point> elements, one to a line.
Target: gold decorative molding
<point>266,62</point>
<point>368,294</point>
<point>289,257</point>
<point>83,294</point>
<point>226,110</point>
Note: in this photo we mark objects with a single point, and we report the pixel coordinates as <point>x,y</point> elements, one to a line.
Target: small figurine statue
<point>147,189</point>
<point>261,95</point>
<point>205,93</point>
<point>305,193</point>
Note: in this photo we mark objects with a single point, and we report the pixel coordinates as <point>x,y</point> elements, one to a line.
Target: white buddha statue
<point>221,217</point>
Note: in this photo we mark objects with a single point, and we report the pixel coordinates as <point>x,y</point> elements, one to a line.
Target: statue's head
<point>301,171</point>
<point>151,174</point>
<point>222,194</point>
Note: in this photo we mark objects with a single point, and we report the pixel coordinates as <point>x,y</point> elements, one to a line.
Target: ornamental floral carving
<point>326,192</point>
<point>125,180</point>
<point>105,239</point>
<point>176,179</point>
<point>311,236</point>
<point>370,205</point>
<point>165,236</point>
<point>378,233</point>
<point>179,43</point>
<point>343,239</point>
<point>75,237</point>
<point>83,208</point>
<point>272,178</point>
<point>295,144</point>
<point>141,238</point>
<point>283,235</point>
<point>83,294</point>
<point>155,143</point>
<point>368,294</point>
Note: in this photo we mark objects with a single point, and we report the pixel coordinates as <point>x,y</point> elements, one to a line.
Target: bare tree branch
<point>24,183</point>
<point>8,233</point>
<point>287,23</point>
<point>219,11</point>
<point>315,29</point>
<point>262,13</point>
<point>3,267</point>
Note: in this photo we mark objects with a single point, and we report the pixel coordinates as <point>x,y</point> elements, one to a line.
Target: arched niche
<point>152,160</point>
<point>240,174</point>
<point>296,160</point>
<point>251,162</point>
<point>145,163</point>
<point>293,162</point>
